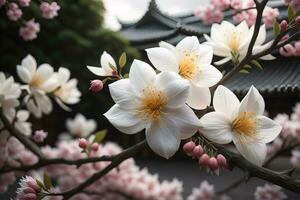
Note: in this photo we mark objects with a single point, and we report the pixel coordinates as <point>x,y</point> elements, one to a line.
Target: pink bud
<point>204,160</point>
<point>83,143</point>
<point>189,147</point>
<point>213,164</point>
<point>39,136</point>
<point>29,190</point>
<point>95,146</point>
<point>283,25</point>
<point>297,20</point>
<point>29,196</point>
<point>33,185</point>
<point>198,151</point>
<point>222,161</point>
<point>96,85</point>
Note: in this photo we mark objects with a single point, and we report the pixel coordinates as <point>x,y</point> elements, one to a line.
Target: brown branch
<point>131,151</point>
<point>21,137</point>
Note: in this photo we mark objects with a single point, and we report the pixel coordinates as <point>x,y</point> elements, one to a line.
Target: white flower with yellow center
<point>241,122</point>
<point>155,103</point>
<point>192,61</point>
<point>40,81</point>
<point>105,70</point>
<point>227,40</point>
<point>67,91</point>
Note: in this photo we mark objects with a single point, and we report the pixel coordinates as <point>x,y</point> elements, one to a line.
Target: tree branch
<point>119,158</point>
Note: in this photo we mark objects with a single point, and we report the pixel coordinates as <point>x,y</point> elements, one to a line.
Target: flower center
<point>245,125</point>
<point>188,65</point>
<point>234,41</point>
<point>153,102</point>
<point>36,81</point>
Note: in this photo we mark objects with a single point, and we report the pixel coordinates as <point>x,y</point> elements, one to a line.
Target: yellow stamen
<point>188,65</point>
<point>153,102</point>
<point>234,41</point>
<point>245,126</point>
<point>36,81</point>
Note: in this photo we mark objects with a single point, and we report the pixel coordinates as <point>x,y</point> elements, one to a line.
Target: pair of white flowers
<point>42,81</point>
<point>160,102</point>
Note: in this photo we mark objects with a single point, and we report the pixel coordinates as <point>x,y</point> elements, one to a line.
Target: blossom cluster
<point>29,28</point>
<point>269,192</point>
<point>242,11</point>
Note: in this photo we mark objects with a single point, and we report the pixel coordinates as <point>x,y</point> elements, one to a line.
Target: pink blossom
<point>269,16</point>
<point>236,4</point>
<point>28,188</point>
<point>221,4</point>
<point>24,3</point>
<point>287,51</point>
<point>197,151</point>
<point>49,11</point>
<point>222,162</point>
<point>14,13</point>
<point>269,192</point>
<point>295,159</point>
<point>6,180</point>
<point>209,14</point>
<point>39,136</point>
<point>96,85</point>
<point>2,2</point>
<point>205,191</point>
<point>204,160</point>
<point>189,147</point>
<point>83,143</point>
<point>30,30</point>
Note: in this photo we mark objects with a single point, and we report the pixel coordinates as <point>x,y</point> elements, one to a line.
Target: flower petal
<point>253,102</point>
<point>30,63</point>
<point>105,60</point>
<point>208,76</point>
<point>162,59</point>
<point>170,47</point>
<point>186,120</point>
<point>254,152</point>
<point>44,71</point>
<point>99,71</point>
<point>175,88</point>
<point>123,120</point>
<point>268,129</point>
<point>226,102</point>
<point>216,127</point>
<point>222,61</point>
<point>163,137</point>
<point>205,55</point>
<point>122,94</point>
<point>199,97</point>
<point>24,74</point>
<point>188,44</point>
<point>141,75</point>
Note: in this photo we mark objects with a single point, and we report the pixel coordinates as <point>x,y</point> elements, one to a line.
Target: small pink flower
<point>198,151</point>
<point>236,4</point>
<point>269,192</point>
<point>204,160</point>
<point>30,30</point>
<point>28,189</point>
<point>189,147</point>
<point>96,85</point>
<point>209,14</point>
<point>222,162</point>
<point>2,2</point>
<point>24,3</point>
<point>14,13</point>
<point>205,191</point>
<point>213,164</point>
<point>39,136</point>
<point>269,16</point>
<point>221,4</point>
<point>49,11</point>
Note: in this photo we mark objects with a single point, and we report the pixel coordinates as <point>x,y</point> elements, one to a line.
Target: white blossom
<point>80,126</point>
<point>105,70</point>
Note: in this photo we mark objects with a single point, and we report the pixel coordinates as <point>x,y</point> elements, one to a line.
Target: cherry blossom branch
<point>21,137</point>
<point>279,178</point>
<point>118,159</point>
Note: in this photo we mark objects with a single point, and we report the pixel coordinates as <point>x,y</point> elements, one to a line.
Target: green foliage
<point>99,136</point>
<point>276,28</point>
<point>47,181</point>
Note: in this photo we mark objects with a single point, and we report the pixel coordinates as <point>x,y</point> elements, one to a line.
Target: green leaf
<point>247,67</point>
<point>47,181</point>
<point>126,75</point>
<point>243,71</point>
<point>40,183</point>
<point>257,64</point>
<point>276,28</point>
<point>99,136</point>
<point>291,13</point>
<point>122,60</point>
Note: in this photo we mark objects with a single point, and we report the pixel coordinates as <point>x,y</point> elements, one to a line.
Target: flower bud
<point>95,146</point>
<point>33,185</point>
<point>29,190</point>
<point>222,162</point>
<point>30,196</point>
<point>83,143</point>
<point>204,160</point>
<point>96,85</point>
<point>39,136</point>
<point>297,20</point>
<point>189,147</point>
<point>213,164</point>
<point>283,25</point>
<point>198,151</point>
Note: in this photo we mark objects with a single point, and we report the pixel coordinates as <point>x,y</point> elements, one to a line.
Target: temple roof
<point>279,76</point>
